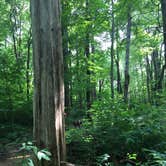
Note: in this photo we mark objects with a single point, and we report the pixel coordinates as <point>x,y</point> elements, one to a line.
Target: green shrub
<point>118,130</point>
<point>37,155</point>
<point>22,115</point>
<point>155,158</point>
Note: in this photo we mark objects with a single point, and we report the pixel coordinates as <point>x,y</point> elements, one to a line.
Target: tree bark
<point>119,85</point>
<point>101,83</point>
<point>93,87</point>
<point>87,54</point>
<point>88,90</point>
<point>28,63</point>
<point>127,76</point>
<point>14,29</point>
<point>148,79</point>
<point>66,64</point>
<point>48,79</point>
<point>163,9</point>
<point>112,50</point>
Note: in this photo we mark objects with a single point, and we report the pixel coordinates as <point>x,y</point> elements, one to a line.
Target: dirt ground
<point>6,163</point>
<point>12,158</point>
<point>12,161</point>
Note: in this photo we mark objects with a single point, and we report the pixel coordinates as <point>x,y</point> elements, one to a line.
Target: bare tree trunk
<point>14,25</point>
<point>87,54</point>
<point>101,82</point>
<point>148,79</point>
<point>66,65</point>
<point>80,97</point>
<point>119,85</point>
<point>48,79</point>
<point>88,91</point>
<point>163,9</point>
<point>93,89</point>
<point>112,50</point>
<point>127,76</point>
<point>28,63</point>
<point>157,70</point>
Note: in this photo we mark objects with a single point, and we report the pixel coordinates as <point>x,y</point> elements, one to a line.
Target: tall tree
<point>28,63</point>
<point>66,54</point>
<point>163,9</point>
<point>148,79</point>
<point>48,78</point>
<point>87,54</point>
<point>127,76</point>
<point>119,85</point>
<point>112,50</point>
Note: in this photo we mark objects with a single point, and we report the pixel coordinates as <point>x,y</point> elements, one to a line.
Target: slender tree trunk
<point>127,76</point>
<point>28,64</point>
<point>87,54</point>
<point>101,82</point>
<point>66,66</point>
<point>141,84</point>
<point>112,50</point>
<point>70,84</point>
<point>14,29</point>
<point>148,79</point>
<point>119,85</point>
<point>156,68</point>
<point>48,79</point>
<point>19,36</point>
<point>80,92</point>
<point>93,90</point>
<point>67,58</point>
<point>88,91</point>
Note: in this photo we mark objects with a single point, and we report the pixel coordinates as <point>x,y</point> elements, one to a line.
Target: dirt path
<point>12,161</point>
<point>11,158</point>
<point>7,160</point>
<point>6,163</point>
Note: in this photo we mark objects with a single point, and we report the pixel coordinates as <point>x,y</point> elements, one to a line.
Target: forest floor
<point>6,163</point>
<point>11,139</point>
<point>11,158</point>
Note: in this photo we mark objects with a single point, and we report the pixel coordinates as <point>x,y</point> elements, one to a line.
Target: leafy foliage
<point>155,158</point>
<point>40,155</point>
<point>119,132</point>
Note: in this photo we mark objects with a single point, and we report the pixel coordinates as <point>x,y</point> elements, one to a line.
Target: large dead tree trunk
<point>48,79</point>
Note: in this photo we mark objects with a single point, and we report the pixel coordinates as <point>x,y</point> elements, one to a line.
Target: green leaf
<point>42,155</point>
<point>30,162</point>
<point>46,152</point>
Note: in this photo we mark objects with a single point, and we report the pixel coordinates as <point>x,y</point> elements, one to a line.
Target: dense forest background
<point>115,83</point>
